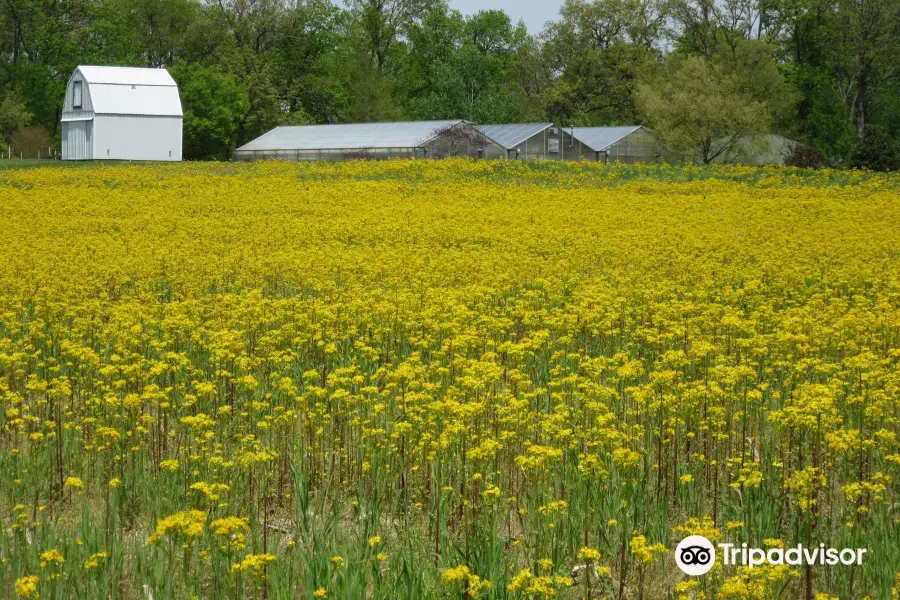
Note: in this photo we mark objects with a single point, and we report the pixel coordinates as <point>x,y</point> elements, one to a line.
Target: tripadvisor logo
<point>696,555</point>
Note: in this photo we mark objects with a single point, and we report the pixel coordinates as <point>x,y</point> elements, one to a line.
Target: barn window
<point>76,94</point>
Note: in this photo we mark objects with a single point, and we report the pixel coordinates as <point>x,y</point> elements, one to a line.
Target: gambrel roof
<point>128,91</point>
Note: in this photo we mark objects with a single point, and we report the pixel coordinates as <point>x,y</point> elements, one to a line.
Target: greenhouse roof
<point>601,138</point>
<point>347,136</point>
<point>513,134</point>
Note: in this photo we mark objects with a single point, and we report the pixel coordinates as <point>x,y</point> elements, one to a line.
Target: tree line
<point>701,73</point>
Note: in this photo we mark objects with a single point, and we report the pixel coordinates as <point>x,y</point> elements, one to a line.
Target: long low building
<point>441,139</point>
<point>408,139</point>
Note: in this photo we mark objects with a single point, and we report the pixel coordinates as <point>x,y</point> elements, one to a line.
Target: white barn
<point>121,113</point>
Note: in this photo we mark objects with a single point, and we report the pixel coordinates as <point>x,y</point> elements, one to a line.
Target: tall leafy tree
<point>40,50</point>
<point>477,80</point>
<point>699,110</point>
<point>862,38</point>
<point>214,104</point>
<point>599,49</point>
<point>383,23</point>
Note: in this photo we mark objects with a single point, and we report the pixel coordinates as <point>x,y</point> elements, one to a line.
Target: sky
<point>534,12</point>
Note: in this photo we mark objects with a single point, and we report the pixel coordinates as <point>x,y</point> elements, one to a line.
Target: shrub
<point>876,151</point>
<point>31,142</point>
<point>13,115</point>
<point>804,157</point>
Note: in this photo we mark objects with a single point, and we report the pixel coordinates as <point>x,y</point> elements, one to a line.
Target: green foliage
<point>600,50</point>
<point>470,82</point>
<point>699,111</point>
<point>752,66</point>
<point>706,103</point>
<point>13,115</point>
<point>877,151</point>
<point>823,70</point>
<point>824,121</point>
<point>214,105</point>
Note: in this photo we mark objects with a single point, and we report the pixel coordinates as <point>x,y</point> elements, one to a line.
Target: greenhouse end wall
<point>639,146</point>
<point>552,144</point>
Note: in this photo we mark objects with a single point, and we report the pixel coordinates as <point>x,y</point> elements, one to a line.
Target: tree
<point>214,105</point>
<point>477,80</point>
<point>304,63</point>
<point>143,33</point>
<point>280,51</point>
<point>752,66</point>
<point>40,52</point>
<point>383,22</point>
<point>431,40</point>
<point>845,57</point>
<point>13,116</point>
<point>699,111</point>
<point>598,51</point>
<point>862,36</point>
<point>823,70</point>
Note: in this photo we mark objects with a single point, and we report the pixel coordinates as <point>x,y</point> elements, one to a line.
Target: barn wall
<point>86,104</point>
<point>137,137</point>
<point>639,146</point>
<point>77,140</point>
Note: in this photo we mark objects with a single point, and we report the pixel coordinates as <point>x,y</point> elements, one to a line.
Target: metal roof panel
<point>601,138</point>
<point>348,136</point>
<point>510,135</point>
<point>136,99</point>
<point>126,75</point>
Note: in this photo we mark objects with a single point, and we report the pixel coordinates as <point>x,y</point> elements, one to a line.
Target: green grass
<point>30,163</point>
<point>27,163</point>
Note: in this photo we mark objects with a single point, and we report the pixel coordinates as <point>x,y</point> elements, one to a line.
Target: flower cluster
<point>541,374</point>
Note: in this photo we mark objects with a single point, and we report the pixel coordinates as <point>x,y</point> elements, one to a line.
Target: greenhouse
<point>629,144</point>
<point>546,141</point>
<point>419,139</point>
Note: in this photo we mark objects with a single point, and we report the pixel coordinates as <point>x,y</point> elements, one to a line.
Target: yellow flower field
<point>417,379</point>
